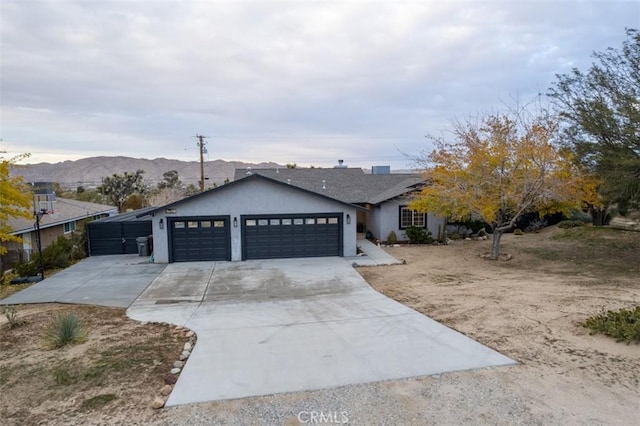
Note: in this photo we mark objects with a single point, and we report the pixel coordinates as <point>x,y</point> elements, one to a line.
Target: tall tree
<point>15,200</point>
<point>497,169</point>
<point>600,109</point>
<point>118,188</point>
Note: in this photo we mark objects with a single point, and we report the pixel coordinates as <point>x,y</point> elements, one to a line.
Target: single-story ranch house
<point>60,221</point>
<point>282,213</point>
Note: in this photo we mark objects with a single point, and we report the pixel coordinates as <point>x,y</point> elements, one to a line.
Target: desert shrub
<point>475,225</point>
<point>392,238</point>
<point>27,269</point>
<point>11,313</point>
<point>58,254</point>
<point>7,277</point>
<point>518,232</point>
<point>580,215</point>
<point>65,329</point>
<point>536,225</point>
<point>63,376</point>
<point>418,235</point>
<point>622,325</point>
<point>79,241</point>
<point>570,224</point>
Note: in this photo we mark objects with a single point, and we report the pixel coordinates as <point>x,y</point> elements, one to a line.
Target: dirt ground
<point>529,308</point>
<point>110,378</point>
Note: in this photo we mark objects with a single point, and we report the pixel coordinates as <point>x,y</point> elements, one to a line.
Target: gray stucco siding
<point>253,197</point>
<point>386,218</point>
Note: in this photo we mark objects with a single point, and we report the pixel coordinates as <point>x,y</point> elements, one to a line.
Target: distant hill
<point>88,172</point>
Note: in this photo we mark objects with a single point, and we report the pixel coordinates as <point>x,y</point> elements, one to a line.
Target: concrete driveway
<point>102,280</point>
<point>290,325</point>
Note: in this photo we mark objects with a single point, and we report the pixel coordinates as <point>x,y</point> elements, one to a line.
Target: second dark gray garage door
<point>199,238</point>
<point>283,236</point>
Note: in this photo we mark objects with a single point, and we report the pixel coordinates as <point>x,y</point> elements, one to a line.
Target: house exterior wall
<point>386,218</point>
<point>373,222</point>
<point>254,197</point>
<point>22,251</point>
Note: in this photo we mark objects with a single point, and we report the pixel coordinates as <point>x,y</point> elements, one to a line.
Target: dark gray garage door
<point>199,238</point>
<point>281,236</point>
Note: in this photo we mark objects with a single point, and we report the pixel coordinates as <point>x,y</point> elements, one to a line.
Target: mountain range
<point>88,172</point>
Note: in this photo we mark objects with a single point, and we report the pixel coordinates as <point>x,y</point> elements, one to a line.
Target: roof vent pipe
<point>289,181</point>
<point>324,184</point>
<point>248,170</point>
<point>340,165</point>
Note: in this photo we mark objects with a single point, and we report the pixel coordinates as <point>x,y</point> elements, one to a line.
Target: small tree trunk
<point>599,215</point>
<point>495,244</point>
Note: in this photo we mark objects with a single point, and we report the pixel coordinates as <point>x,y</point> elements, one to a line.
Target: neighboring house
<point>286,213</point>
<point>383,195</point>
<point>61,222</point>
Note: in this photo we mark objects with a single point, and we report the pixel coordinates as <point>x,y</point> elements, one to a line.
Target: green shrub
<point>11,313</point>
<point>392,238</point>
<point>580,215</point>
<point>65,329</point>
<point>27,269</point>
<point>7,277</point>
<point>474,225</point>
<point>622,325</point>
<point>570,224</point>
<point>536,225</point>
<point>58,255</point>
<point>418,235</point>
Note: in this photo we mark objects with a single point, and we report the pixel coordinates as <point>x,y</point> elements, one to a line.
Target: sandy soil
<point>532,315</point>
<point>110,378</point>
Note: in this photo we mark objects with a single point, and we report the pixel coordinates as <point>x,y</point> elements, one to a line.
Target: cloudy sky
<point>287,81</point>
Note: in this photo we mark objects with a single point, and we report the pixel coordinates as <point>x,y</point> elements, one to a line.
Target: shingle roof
<point>65,210</point>
<point>237,182</point>
<point>351,185</point>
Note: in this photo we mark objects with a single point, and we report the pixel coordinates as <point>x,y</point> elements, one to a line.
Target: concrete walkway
<point>101,280</point>
<point>290,325</point>
<point>373,255</point>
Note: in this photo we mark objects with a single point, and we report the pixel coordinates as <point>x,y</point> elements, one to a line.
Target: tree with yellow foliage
<point>499,168</point>
<point>15,199</point>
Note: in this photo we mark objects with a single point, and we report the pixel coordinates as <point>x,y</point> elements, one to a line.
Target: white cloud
<point>279,79</point>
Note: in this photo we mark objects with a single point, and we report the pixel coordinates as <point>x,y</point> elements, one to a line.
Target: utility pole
<point>201,145</point>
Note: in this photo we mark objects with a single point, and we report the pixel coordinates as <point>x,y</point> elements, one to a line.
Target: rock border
<point>172,377</point>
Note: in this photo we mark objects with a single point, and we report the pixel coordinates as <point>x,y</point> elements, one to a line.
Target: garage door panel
<point>271,236</point>
<point>200,239</point>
